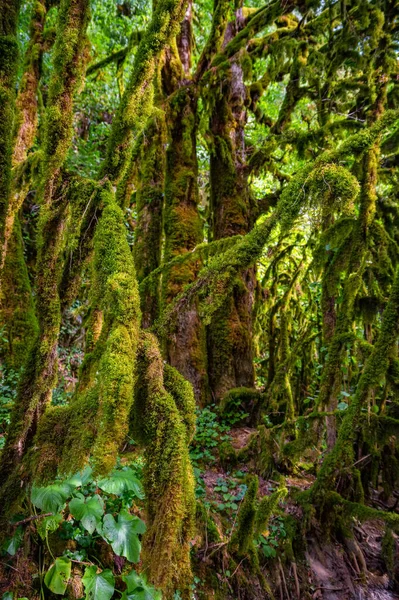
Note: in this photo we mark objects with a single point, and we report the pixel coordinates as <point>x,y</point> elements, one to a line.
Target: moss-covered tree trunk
<point>229,336</point>
<point>40,373</point>
<point>185,344</point>
<point>17,312</point>
<point>8,73</point>
<point>149,206</point>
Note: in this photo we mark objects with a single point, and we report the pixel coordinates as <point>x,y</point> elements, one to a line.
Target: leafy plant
<point>56,578</point>
<point>123,534</point>
<point>268,541</point>
<point>98,586</point>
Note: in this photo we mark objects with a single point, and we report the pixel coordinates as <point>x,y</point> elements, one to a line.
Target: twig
<point>238,566</point>
<point>32,518</point>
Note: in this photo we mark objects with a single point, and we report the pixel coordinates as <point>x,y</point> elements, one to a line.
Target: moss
<point>137,102</point>
<point>169,481</point>
<point>388,547</point>
<point>227,456</point>
<point>17,311</point>
<point>267,507</point>
<point>374,370</point>
<point>183,395</point>
<point>185,344</point>
<point>241,403</point>
<point>8,73</point>
<point>205,525</point>
<point>150,166</point>
<point>242,538</point>
<point>39,375</point>
<point>27,101</point>
<point>218,274</point>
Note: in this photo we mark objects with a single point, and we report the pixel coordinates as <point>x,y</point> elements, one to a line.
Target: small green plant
<point>230,493</point>
<point>209,433</point>
<point>8,389</point>
<point>268,541</point>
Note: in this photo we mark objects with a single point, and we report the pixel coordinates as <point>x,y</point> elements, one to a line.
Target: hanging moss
<point>215,279</point>
<point>169,482</point>
<point>375,369</point>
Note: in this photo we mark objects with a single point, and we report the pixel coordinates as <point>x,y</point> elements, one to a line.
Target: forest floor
<point>325,568</point>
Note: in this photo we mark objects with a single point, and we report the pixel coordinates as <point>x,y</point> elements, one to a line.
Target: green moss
<point>137,102</point>
<point>183,395</point>
<point>388,547</point>
<point>267,507</point>
<point>17,310</point>
<point>26,121</point>
<point>242,537</point>
<point>185,344</point>
<point>150,167</point>
<point>374,370</point>
<point>8,73</point>
<point>169,481</point>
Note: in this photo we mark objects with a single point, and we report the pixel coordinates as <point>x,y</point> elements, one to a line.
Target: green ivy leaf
<point>98,586</point>
<point>87,510</point>
<point>52,497</point>
<point>138,588</point>
<point>123,534</point>
<point>50,523</point>
<point>57,576</point>
<point>119,482</point>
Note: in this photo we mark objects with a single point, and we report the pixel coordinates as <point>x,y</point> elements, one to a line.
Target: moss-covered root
<point>8,74</point>
<point>342,455</point>
<point>163,430</point>
<point>242,538</point>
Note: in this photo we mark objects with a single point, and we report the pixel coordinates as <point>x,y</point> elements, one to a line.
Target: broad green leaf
<point>52,497</point>
<point>139,589</point>
<point>87,510</point>
<point>58,574</point>
<point>7,596</point>
<point>50,523</point>
<point>123,534</point>
<point>119,482</point>
<point>11,545</point>
<point>81,478</point>
<point>98,586</point>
